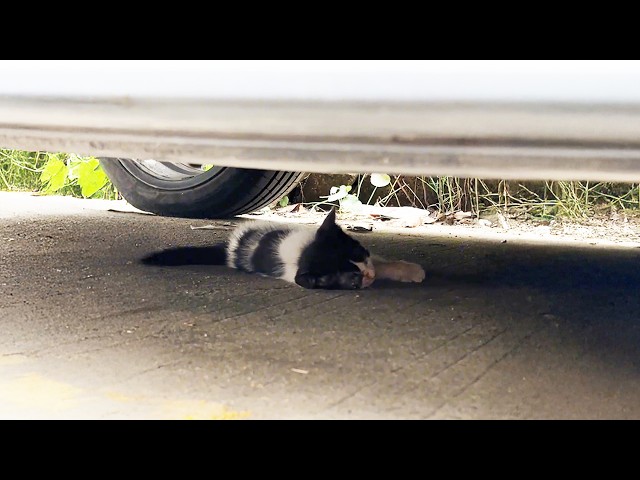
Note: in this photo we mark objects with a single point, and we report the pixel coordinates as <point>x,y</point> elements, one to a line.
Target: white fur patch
<point>367,268</point>
<point>232,243</point>
<point>398,270</point>
<point>290,250</point>
<point>368,271</point>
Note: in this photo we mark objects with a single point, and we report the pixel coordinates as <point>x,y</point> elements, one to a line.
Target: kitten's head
<point>336,260</point>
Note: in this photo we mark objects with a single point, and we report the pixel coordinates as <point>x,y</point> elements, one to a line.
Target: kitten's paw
<point>410,272</point>
<point>367,280</point>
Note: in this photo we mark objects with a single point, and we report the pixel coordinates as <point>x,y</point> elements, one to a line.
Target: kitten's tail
<point>213,255</point>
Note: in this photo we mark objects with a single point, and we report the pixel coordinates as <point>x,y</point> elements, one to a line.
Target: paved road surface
<point>498,330</point>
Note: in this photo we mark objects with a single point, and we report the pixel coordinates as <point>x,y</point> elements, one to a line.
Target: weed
<point>534,200</point>
<point>70,174</point>
<point>65,174</point>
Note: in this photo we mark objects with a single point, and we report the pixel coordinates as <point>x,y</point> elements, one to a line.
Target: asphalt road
<point>497,330</point>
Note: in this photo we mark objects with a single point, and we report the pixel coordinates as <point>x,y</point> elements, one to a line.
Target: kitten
<point>325,258</point>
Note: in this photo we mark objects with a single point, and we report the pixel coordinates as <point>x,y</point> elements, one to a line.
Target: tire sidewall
<point>229,192</point>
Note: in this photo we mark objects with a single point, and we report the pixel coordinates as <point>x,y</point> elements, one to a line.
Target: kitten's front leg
<point>335,281</point>
<point>398,270</point>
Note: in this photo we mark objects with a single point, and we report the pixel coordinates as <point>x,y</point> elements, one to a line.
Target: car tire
<point>185,190</point>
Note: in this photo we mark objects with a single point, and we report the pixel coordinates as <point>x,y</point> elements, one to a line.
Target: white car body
<point>575,120</point>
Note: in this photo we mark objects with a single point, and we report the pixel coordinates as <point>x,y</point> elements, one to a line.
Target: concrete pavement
<point>497,330</point>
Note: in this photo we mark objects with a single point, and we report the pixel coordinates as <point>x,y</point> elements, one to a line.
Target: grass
<point>534,200</point>
<point>23,171</point>
<point>551,199</point>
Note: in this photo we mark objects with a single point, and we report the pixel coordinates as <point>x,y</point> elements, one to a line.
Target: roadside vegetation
<point>49,173</point>
<point>537,200</point>
<point>70,174</point>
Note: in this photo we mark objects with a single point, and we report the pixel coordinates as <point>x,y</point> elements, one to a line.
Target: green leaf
<point>52,167</point>
<point>91,177</point>
<point>284,201</point>
<point>54,174</point>
<point>380,179</point>
<point>73,162</point>
<point>338,193</point>
<point>350,203</point>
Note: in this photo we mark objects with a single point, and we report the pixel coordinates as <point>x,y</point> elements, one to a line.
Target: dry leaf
<point>503,222</point>
<point>460,215</point>
<point>412,222</point>
<point>408,216</point>
<point>360,228</point>
<point>298,208</point>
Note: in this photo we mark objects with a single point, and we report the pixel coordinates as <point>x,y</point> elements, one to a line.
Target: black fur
<point>327,261</point>
<point>331,281</point>
<point>214,255</point>
<point>265,257</point>
<point>243,251</point>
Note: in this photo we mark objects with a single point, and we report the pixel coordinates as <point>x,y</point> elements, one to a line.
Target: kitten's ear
<point>329,222</point>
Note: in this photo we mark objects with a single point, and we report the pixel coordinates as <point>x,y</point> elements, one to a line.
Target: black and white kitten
<point>325,257</point>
